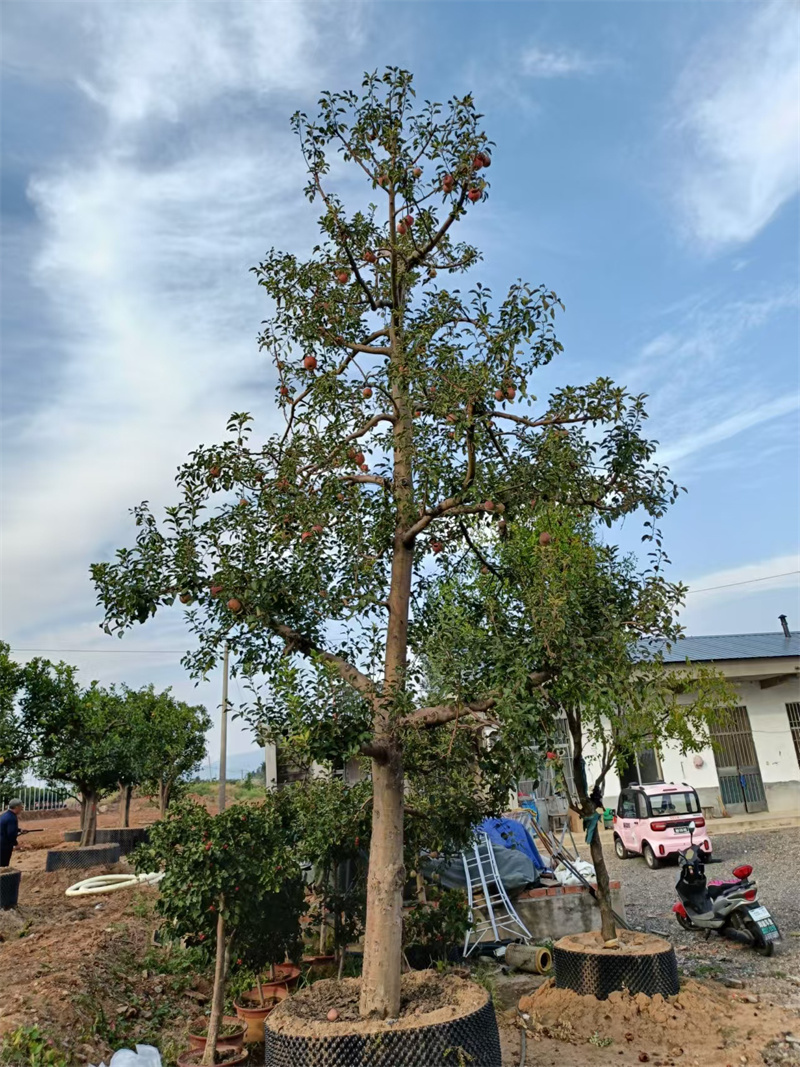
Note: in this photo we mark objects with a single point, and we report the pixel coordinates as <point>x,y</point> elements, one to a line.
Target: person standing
<point>9,830</point>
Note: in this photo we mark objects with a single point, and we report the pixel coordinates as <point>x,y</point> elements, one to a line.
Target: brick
<point>574,889</point>
<point>615,885</point>
<point>554,891</point>
<point>536,893</point>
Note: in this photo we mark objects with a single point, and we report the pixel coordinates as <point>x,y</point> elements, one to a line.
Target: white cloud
<point>539,62</point>
<point>704,385</point>
<point>745,599</point>
<point>142,261</point>
<point>738,126</point>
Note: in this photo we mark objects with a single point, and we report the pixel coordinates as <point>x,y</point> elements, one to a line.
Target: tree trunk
<point>383,937</point>
<point>218,997</point>
<point>164,791</point>
<point>608,926</point>
<point>586,808</point>
<point>83,810</point>
<point>89,828</point>
<point>125,793</point>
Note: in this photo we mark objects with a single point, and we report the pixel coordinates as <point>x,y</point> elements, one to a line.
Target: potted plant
<point>231,1032</point>
<point>332,821</point>
<point>221,874</point>
<point>267,936</point>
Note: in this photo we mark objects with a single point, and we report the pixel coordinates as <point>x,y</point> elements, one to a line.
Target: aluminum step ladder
<point>482,875</point>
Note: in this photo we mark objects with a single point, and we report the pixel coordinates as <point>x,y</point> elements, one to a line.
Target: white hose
<point>110,883</point>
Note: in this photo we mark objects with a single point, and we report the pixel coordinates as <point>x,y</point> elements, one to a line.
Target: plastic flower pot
<point>249,1010</point>
<point>199,1029</point>
<point>319,961</point>
<point>229,1055</point>
<point>286,974</point>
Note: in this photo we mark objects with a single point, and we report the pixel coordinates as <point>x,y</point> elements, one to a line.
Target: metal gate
<point>737,765</point>
<point>793,711</point>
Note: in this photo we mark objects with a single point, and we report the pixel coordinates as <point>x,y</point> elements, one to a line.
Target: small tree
<point>78,735</point>
<point>222,874</point>
<point>172,740</point>
<point>15,743</point>
<point>550,596</point>
<point>407,434</point>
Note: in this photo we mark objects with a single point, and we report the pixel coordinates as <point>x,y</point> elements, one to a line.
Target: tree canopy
<point>411,429</point>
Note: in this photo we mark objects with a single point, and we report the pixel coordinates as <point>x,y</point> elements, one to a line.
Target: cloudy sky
<point>647,168</point>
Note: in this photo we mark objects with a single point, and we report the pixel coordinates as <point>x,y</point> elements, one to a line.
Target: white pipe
<point>110,883</point>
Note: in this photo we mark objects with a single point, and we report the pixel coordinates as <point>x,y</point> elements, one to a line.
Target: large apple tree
<point>409,428</point>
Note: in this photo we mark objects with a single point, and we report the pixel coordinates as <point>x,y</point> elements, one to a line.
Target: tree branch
<point>419,257</point>
<point>444,713</point>
<point>450,506</point>
<point>297,642</point>
<point>555,420</point>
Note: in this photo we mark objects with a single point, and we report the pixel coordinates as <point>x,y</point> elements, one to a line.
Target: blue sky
<point>647,168</point>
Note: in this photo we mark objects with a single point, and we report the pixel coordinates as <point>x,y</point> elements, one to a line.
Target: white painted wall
<point>772,738</point>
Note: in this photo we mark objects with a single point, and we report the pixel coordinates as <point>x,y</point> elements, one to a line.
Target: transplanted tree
<point>15,743</point>
<point>409,429</point>
<point>175,740</point>
<point>78,735</point>
<point>549,596</point>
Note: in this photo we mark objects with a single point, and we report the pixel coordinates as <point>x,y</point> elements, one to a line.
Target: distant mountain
<point>238,764</point>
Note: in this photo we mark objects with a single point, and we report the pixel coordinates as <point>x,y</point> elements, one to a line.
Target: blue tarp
<point>511,834</point>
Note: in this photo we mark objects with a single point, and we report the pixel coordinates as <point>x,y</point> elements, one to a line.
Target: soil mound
<point>706,1021</point>
<point>426,998</point>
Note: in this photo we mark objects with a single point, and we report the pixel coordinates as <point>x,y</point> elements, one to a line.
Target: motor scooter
<point>722,905</point>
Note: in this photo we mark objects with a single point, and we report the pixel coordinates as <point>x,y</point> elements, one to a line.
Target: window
<point>793,711</point>
<point>626,808</point>
<point>674,804</point>
<point>641,805</point>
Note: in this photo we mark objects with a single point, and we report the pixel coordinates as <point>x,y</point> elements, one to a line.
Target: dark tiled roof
<point>729,646</point>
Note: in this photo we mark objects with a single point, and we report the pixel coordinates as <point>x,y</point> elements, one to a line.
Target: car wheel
<point>620,849</point>
<point>650,858</point>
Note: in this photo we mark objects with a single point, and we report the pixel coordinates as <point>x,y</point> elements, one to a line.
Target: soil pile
<point>704,1023</point>
<point>631,943</point>
<point>426,998</point>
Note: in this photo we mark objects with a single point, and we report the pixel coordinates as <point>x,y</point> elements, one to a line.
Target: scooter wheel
<point>684,922</point>
<point>760,943</point>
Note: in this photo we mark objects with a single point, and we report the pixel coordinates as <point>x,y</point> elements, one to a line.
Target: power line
<point>113,651</point>
<point>748,581</point>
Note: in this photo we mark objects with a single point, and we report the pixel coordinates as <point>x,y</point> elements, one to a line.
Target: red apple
<point>485,159</point>
<point>215,590</point>
<point>214,472</point>
<point>366,393</point>
<point>283,391</point>
<point>310,363</point>
<point>342,277</point>
<point>317,529</point>
<point>477,161</point>
<point>488,505</point>
<point>511,392</point>
<point>499,394</point>
<point>304,536</point>
<point>448,183</point>
<point>417,172</point>
<point>437,546</point>
<point>364,467</point>
<point>186,598</point>
<point>474,195</point>
<point>545,538</point>
<point>234,605</point>
<point>409,220</point>
<point>370,256</point>
<point>243,503</point>
<point>402,229</point>
<point>359,457</point>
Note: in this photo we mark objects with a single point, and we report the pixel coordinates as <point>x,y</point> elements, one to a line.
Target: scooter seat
<point>715,889</point>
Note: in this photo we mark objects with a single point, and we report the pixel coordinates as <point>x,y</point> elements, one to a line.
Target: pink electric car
<point>653,820</point>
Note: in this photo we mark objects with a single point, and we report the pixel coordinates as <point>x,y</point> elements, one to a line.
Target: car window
<point>641,805</point>
<point>675,804</point>
<point>627,808</point>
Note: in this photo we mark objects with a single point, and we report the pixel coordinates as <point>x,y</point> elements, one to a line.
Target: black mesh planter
<point>75,859</point>
<point>127,838</point>
<point>596,973</point>
<point>72,835</point>
<point>471,1040</point>
<point>9,888</point>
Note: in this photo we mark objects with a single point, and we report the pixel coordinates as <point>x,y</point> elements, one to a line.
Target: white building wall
<point>774,746</point>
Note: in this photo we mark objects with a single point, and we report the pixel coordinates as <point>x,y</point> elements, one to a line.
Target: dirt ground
<point>88,973</point>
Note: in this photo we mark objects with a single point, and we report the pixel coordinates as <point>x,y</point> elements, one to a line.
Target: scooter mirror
<point>692,827</point>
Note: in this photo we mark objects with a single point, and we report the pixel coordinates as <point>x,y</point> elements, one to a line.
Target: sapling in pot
<point>219,872</point>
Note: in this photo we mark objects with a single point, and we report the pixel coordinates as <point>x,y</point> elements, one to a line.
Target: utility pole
<point>223,731</point>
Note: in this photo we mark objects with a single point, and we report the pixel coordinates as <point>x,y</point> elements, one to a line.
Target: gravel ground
<point>649,896</point>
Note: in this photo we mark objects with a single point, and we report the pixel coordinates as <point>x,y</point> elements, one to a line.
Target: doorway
<point>739,774</point>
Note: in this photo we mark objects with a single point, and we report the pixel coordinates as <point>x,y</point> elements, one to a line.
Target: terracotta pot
<point>198,1041</point>
<point>286,974</point>
<point>192,1057</point>
<point>249,1010</point>
<point>319,961</point>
